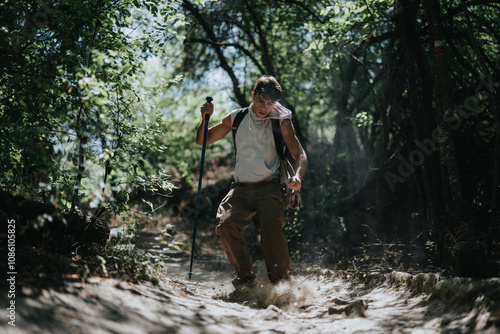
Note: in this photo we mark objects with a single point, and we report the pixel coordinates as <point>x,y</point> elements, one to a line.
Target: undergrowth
<point>127,264</point>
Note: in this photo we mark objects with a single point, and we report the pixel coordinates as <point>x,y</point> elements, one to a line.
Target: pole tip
<point>209,99</point>
<point>190,274</point>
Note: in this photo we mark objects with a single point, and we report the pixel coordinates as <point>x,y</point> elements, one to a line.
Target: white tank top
<point>256,157</point>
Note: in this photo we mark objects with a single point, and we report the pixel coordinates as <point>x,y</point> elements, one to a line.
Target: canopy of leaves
<point>71,111</point>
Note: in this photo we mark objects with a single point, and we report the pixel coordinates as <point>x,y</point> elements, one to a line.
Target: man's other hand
<point>294,183</point>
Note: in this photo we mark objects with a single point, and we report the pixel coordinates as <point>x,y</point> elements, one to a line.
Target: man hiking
<point>256,188</point>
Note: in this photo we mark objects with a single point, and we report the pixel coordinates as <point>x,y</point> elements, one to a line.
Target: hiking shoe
<point>247,281</point>
<point>277,280</point>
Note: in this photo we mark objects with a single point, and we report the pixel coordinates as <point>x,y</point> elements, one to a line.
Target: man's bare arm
<point>296,149</point>
<point>217,131</point>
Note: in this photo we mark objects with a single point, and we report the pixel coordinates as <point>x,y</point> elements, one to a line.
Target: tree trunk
<point>480,54</point>
<point>456,221</point>
<point>422,119</point>
<point>495,209</point>
<point>345,141</point>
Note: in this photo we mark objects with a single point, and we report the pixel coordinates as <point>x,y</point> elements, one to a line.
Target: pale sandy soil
<point>315,301</point>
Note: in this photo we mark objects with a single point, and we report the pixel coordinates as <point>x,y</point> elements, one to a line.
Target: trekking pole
<point>205,131</point>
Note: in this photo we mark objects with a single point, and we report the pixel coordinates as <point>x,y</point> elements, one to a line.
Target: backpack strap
<point>236,122</point>
<point>278,138</point>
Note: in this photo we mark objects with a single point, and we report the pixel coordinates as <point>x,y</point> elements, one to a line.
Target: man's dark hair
<point>268,87</point>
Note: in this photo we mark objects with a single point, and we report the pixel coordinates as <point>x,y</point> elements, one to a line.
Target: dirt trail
<point>315,301</point>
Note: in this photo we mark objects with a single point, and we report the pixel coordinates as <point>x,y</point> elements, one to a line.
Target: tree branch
<point>240,97</point>
<point>304,7</point>
<point>223,45</point>
<point>266,58</point>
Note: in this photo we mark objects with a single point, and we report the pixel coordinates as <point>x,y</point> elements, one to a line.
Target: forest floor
<point>316,300</point>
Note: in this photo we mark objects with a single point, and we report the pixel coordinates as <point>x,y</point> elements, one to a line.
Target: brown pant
<point>235,213</point>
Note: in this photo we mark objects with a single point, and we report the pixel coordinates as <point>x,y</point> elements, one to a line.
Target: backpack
<point>291,198</point>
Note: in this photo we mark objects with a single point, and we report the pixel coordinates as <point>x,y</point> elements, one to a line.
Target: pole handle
<point>207,117</point>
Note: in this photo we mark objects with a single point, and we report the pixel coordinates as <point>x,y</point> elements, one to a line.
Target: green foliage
<point>126,256</point>
<point>72,125</point>
<point>126,264</point>
<point>76,130</point>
